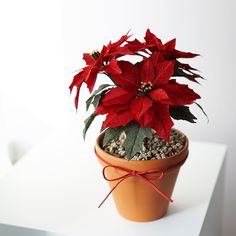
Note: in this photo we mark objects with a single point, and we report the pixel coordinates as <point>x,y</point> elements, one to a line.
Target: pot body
<point>134,198</point>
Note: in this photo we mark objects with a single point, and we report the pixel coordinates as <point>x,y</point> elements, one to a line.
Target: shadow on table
<point>213,220</point>
<point>9,230</point>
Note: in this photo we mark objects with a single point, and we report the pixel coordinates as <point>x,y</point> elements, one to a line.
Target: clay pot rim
<point>122,160</point>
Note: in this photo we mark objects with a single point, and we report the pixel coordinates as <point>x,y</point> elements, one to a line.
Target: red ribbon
<point>146,176</point>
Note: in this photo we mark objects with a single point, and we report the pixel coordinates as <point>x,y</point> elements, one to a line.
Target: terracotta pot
<point>134,198</point>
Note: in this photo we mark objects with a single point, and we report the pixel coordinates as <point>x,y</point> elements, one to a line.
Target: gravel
<point>154,148</point>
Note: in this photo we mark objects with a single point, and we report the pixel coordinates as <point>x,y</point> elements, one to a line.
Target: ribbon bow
<point>146,176</point>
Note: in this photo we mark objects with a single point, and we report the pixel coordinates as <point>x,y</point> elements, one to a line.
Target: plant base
<point>135,199</point>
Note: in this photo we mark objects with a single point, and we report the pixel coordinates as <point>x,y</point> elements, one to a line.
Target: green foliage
<point>135,137</point>
<point>97,98</point>
<point>87,124</point>
<point>200,107</point>
<point>182,113</point>
<point>190,75</point>
<point>112,133</point>
<point>96,95</point>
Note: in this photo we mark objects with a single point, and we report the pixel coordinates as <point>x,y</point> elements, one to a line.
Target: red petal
<point>102,54</point>
<point>136,45</point>
<point>162,123</point>
<point>180,94</point>
<point>91,78</point>
<point>170,46</point>
<point>101,109</point>
<point>147,71</point>
<point>88,59</point>
<point>76,101</point>
<point>152,40</point>
<point>159,95</point>
<point>146,118</point>
<point>129,78</point>
<point>114,49</point>
<point>156,58</point>
<point>121,51</point>
<point>113,119</point>
<point>178,54</point>
<point>120,41</point>
<point>140,105</point>
<point>112,67</point>
<point>164,71</point>
<point>117,96</point>
<point>77,82</point>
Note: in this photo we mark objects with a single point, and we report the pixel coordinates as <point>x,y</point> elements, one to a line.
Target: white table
<point>58,185</point>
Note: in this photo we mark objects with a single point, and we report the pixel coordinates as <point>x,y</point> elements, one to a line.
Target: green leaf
<point>182,113</point>
<point>88,102</point>
<point>112,133</point>
<point>135,136</point>
<point>199,106</point>
<point>190,75</point>
<point>91,98</point>
<point>97,98</point>
<point>87,124</point>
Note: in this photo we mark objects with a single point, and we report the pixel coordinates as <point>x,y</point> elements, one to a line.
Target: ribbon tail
<point>111,191</point>
<point>156,189</point>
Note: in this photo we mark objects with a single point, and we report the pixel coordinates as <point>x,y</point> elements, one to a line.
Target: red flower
<point>104,61</point>
<point>154,44</point>
<point>145,94</point>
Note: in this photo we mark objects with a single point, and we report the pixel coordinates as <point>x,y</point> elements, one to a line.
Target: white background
<point>42,42</point>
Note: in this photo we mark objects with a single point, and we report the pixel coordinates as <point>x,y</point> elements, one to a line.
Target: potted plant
<point>140,151</point>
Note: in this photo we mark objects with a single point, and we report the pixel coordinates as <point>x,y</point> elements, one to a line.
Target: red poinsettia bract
<point>104,61</point>
<point>152,44</point>
<point>145,93</point>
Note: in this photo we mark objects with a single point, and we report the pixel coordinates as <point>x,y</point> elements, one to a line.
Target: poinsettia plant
<point>143,96</point>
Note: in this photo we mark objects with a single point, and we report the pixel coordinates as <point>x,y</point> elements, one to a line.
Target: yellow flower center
<point>95,54</point>
<point>146,86</point>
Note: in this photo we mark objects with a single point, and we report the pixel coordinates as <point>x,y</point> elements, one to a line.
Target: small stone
<point>122,153</point>
<point>143,148</point>
<point>163,155</point>
<point>155,147</point>
<point>122,137</point>
<point>154,152</point>
<point>113,144</point>
<point>158,156</point>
